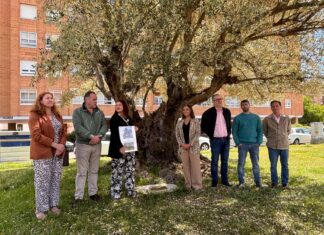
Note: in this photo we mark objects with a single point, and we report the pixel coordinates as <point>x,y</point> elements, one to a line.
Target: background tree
<point>312,112</point>
<point>127,47</point>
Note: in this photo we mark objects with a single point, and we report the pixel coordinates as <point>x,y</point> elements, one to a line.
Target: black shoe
<point>95,197</point>
<point>227,184</point>
<point>75,202</point>
<point>214,185</point>
<point>258,185</point>
<point>285,185</point>
<point>273,185</point>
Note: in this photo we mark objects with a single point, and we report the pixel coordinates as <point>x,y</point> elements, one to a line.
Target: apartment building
<point>25,30</point>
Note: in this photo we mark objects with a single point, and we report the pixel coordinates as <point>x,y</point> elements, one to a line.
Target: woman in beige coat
<point>187,134</point>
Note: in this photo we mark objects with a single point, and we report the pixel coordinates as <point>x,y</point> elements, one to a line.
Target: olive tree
<point>192,48</point>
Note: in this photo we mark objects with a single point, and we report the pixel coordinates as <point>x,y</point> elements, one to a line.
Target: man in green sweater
<point>90,126</point>
<point>247,134</point>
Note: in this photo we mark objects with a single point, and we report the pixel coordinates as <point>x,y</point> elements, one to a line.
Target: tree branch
<point>284,7</point>
<point>294,23</point>
<point>174,41</point>
<point>276,76</point>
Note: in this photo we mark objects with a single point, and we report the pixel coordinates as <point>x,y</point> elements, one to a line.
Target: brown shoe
<point>55,210</point>
<point>40,216</point>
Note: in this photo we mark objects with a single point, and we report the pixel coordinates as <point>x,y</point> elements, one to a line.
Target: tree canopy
<point>125,46</point>
<point>192,47</point>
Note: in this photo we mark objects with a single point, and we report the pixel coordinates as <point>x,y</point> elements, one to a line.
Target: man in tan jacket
<point>276,128</point>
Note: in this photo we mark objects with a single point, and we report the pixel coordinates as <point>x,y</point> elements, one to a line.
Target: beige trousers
<point>191,170</point>
<point>87,157</point>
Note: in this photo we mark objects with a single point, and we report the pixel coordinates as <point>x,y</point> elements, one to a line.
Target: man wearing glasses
<point>216,123</point>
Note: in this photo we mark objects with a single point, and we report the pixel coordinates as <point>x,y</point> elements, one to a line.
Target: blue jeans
<point>219,146</point>
<point>273,156</point>
<point>253,149</point>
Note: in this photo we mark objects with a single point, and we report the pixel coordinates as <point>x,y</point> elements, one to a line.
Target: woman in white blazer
<point>187,134</point>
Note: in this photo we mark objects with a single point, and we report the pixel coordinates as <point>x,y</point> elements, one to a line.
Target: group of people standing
<point>247,130</point>
<point>48,137</point>
<point>90,127</point>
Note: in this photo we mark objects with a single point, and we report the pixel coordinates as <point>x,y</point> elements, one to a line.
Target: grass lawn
<point>298,210</point>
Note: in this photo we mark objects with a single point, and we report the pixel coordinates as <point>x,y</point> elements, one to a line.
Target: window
<point>52,15</point>
<point>139,101</point>
<point>232,102</point>
<point>49,39</point>
<point>307,131</point>
<point>27,68</point>
<point>109,100</point>
<point>105,100</point>
<point>287,103</point>
<point>19,127</point>
<point>206,103</point>
<point>77,99</point>
<point>27,96</point>
<point>28,39</point>
<point>157,100</point>
<point>57,95</point>
<point>28,12</point>
<point>265,104</point>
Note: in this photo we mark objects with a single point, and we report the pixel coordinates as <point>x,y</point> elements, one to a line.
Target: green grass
<point>298,210</point>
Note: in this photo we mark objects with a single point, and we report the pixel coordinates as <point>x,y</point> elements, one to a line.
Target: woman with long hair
<point>47,147</point>
<point>187,134</point>
<point>123,163</point>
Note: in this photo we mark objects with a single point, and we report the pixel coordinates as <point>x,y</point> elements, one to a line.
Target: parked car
<point>232,143</point>
<point>105,144</point>
<point>204,143</point>
<point>299,136</point>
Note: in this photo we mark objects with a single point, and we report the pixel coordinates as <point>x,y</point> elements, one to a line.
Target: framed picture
<point>127,136</point>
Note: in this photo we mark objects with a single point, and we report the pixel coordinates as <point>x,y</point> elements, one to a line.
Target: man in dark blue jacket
<point>216,123</point>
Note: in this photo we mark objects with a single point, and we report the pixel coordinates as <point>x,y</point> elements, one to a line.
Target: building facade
<point>25,30</point>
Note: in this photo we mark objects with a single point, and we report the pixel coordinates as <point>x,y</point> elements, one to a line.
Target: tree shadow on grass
<point>235,211</point>
<point>267,210</point>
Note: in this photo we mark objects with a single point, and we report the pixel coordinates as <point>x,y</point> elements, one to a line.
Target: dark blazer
<point>115,143</point>
<point>208,121</point>
<point>42,136</point>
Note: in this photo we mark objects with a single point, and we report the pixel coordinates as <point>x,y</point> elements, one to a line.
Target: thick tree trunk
<point>157,140</point>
